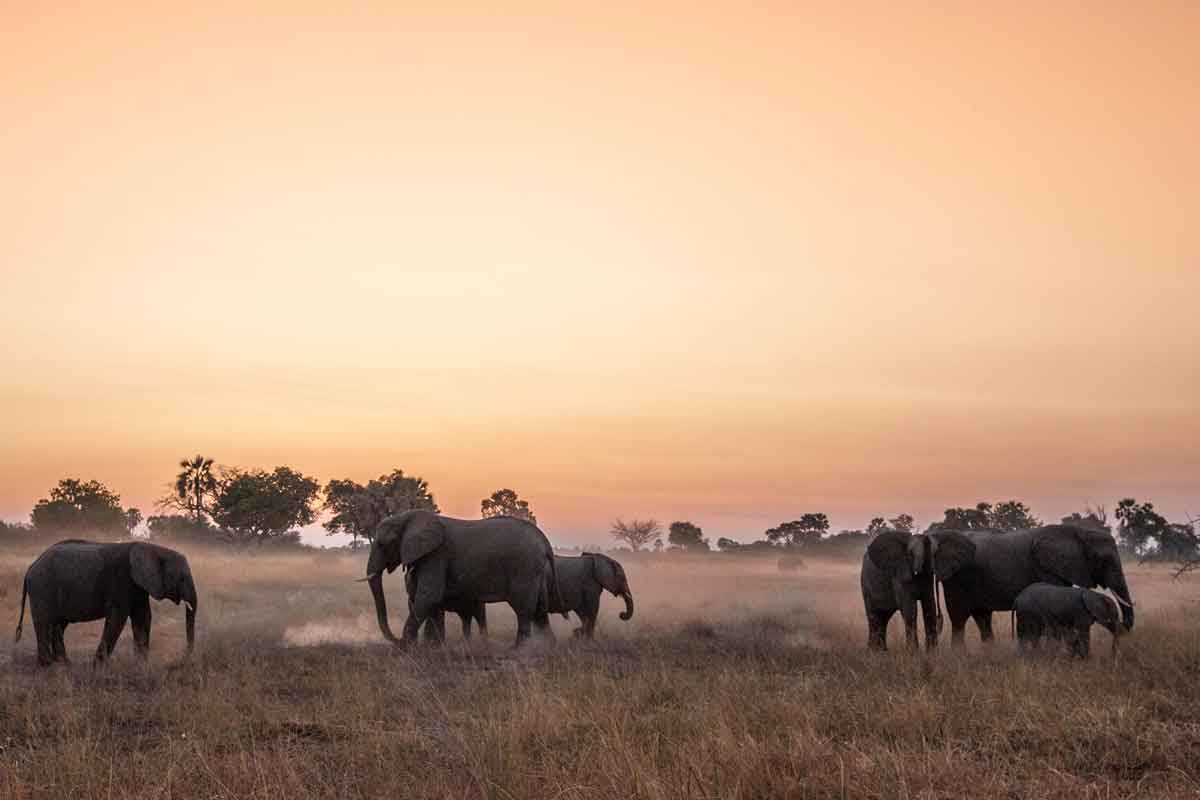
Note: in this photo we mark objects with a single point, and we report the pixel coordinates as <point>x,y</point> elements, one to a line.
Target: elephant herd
<point>450,565</point>
<point>1044,575</point>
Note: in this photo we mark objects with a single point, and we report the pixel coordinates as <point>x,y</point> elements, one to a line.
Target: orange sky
<point>722,264</point>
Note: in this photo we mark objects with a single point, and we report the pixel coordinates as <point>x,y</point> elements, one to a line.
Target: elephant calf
<point>467,609</point>
<point>78,581</point>
<point>581,579</point>
<point>1063,612</point>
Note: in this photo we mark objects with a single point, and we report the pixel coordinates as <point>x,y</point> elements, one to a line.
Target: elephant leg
<point>412,626</point>
<point>589,627</point>
<point>523,629</point>
<point>45,633</point>
<point>114,623</point>
<point>481,620</point>
<point>929,615</point>
<point>541,621</point>
<point>909,615</point>
<point>877,624</point>
<point>465,619</point>
<point>139,619</point>
<point>983,621</point>
<point>60,644</point>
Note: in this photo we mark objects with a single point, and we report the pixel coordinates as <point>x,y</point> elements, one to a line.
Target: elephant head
<point>165,574</point>
<point>952,551</point>
<point>1103,610</point>
<point>1083,557</point>
<point>904,555</point>
<point>611,575</point>
<point>400,539</point>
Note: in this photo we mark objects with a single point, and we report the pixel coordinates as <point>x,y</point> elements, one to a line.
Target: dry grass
<point>733,681</point>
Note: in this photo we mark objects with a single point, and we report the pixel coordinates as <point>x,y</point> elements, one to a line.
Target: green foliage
<point>260,505</point>
<point>358,510</point>
<point>182,529</point>
<point>687,536</point>
<point>802,532</point>
<point>902,523</point>
<point>80,507</point>
<point>506,503</point>
<point>1139,525</point>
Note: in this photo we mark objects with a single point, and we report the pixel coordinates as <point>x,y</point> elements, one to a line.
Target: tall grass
<point>732,681</point>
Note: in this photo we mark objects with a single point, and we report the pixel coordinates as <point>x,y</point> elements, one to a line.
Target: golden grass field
<point>733,680</point>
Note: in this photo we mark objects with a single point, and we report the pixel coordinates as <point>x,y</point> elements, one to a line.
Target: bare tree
<point>1190,563</point>
<point>637,533</point>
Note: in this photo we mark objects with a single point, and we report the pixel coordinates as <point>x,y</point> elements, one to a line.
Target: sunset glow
<point>720,264</point>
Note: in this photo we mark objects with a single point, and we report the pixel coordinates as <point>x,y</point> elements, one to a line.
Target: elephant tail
<point>21,619</point>
<point>553,590</point>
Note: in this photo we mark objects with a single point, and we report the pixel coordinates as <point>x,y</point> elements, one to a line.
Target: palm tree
<point>194,483</point>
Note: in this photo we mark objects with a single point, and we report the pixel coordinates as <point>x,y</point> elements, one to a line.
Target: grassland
<point>733,681</point>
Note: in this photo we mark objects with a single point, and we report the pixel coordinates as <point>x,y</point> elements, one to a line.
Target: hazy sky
<point>726,263</point>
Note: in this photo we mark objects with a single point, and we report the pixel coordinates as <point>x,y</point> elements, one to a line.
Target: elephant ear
<point>889,552</point>
<point>423,534</point>
<point>1059,552</point>
<point>951,552</point>
<point>1102,609</point>
<point>604,572</point>
<point>147,568</point>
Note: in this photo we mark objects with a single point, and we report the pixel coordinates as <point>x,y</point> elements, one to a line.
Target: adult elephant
<point>581,581</point>
<point>1005,563</point>
<point>456,561</point>
<point>80,581</point>
<point>898,573</point>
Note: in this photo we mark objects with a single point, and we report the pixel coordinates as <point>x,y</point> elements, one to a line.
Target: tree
<point>1093,518</point>
<point>727,545</point>
<point>260,505</point>
<point>637,533</point>
<point>182,529</point>
<point>133,518</point>
<point>82,506</point>
<point>902,523</point>
<point>876,526</point>
<point>801,532</point>
<point>358,510</point>
<point>1012,515</point>
<point>195,487</point>
<point>687,536</point>
<point>1139,526</point>
<point>506,503</point>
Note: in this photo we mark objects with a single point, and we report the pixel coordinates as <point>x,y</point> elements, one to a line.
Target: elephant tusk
<point>189,606</point>
<point>1121,601</point>
<point>364,580</point>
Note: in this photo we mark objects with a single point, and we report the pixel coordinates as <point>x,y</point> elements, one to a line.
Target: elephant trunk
<point>627,596</point>
<point>189,599</point>
<point>1116,583</point>
<point>375,581</point>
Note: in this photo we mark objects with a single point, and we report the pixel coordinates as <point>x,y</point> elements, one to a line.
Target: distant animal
<point>1066,613</point>
<point>467,609</point>
<point>581,581</point>
<point>455,561</point>
<point>1005,563</point>
<point>898,572</point>
<point>80,581</point>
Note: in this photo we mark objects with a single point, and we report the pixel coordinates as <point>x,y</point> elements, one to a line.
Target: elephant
<point>435,625</point>
<point>1063,612</point>
<point>455,561</point>
<point>1003,564</point>
<point>80,581</point>
<point>898,571</point>
<point>581,580</point>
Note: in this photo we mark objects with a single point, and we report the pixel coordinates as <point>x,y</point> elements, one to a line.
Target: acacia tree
<point>506,503</point>
<point>358,510</point>
<point>637,533</point>
<point>258,506</point>
<point>83,506</point>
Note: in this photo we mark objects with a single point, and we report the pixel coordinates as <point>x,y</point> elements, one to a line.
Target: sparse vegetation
<point>733,681</point>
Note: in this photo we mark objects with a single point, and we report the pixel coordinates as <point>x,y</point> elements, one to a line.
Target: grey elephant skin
<point>467,609</point>
<point>898,573</point>
<point>454,561</point>
<point>1066,613</point>
<point>582,580</point>
<point>80,581</point>
<point>1006,563</point>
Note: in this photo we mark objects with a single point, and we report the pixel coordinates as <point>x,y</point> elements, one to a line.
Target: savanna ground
<point>733,680</point>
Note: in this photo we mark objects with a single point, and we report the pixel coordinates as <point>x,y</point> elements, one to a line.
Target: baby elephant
<point>580,582</point>
<point>78,581</point>
<point>435,626</point>
<point>1063,612</point>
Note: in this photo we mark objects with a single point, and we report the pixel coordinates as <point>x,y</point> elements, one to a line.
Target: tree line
<point>212,504</point>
